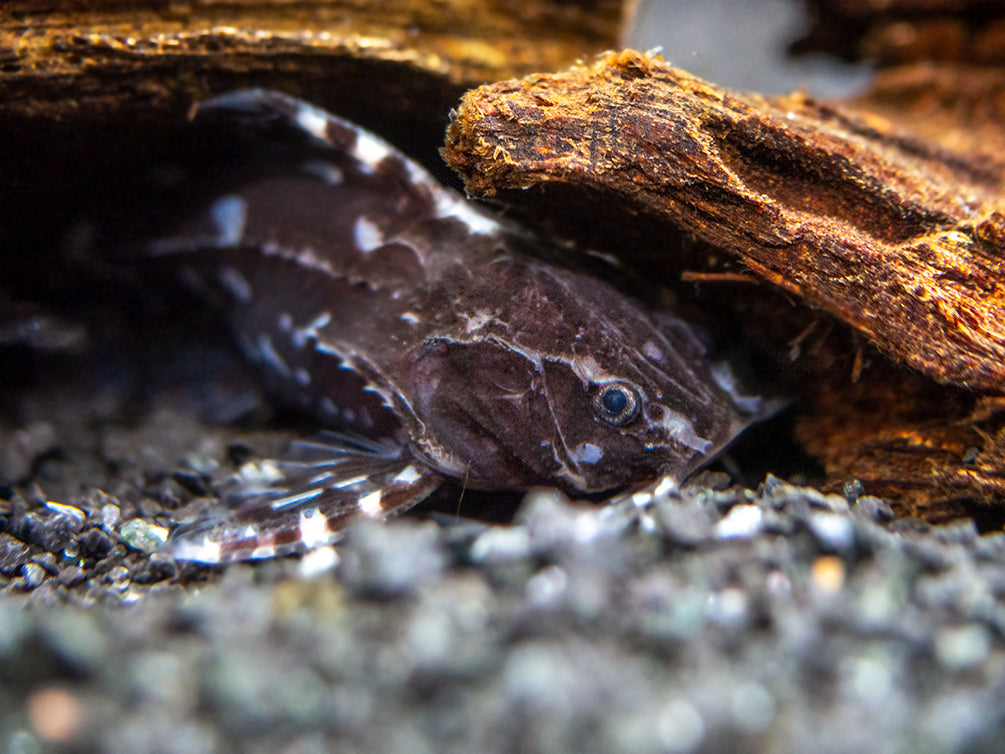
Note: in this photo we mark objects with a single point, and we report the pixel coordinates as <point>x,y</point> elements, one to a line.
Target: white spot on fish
<point>206,551</point>
<point>320,321</point>
<point>577,479</point>
<point>723,375</point>
<point>262,552</point>
<point>680,429</point>
<point>328,349</point>
<point>314,530</point>
<point>229,215</point>
<point>303,377</point>
<point>235,284</point>
<point>587,452</point>
<point>370,150</point>
<point>329,407</point>
<point>449,204</point>
<point>589,371</point>
<point>370,504</point>
<point>476,321</point>
<point>410,317</point>
<point>271,356</point>
<point>440,458</point>
<point>652,351</point>
<point>284,322</point>
<point>407,475</point>
<point>349,414</point>
<point>477,222</point>
<point>326,172</point>
<point>312,120</point>
<point>310,331</point>
<point>420,177</point>
<point>367,235</point>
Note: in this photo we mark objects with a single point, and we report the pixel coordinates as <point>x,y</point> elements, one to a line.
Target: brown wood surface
<point>897,32</point>
<point>895,235</point>
<point>60,58</point>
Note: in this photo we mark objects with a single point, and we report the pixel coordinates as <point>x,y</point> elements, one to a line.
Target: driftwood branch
<point>899,237</point>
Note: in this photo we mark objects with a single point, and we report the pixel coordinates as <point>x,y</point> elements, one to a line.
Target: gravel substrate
<point>775,620</point>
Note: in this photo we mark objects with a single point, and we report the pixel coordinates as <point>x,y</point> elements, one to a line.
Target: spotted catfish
<point>394,309</point>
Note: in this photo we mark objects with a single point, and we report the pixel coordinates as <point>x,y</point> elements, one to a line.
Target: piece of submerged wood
<point>933,451</point>
<point>955,105</point>
<point>898,237</point>
<point>79,75</point>
<point>59,59</point>
<point>894,32</point>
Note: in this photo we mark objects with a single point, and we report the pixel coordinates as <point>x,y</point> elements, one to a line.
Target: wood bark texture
<point>895,235</point>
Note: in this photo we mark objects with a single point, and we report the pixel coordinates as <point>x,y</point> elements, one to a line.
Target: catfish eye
<point>616,403</point>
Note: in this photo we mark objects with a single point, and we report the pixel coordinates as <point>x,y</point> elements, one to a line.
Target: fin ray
<point>324,485</point>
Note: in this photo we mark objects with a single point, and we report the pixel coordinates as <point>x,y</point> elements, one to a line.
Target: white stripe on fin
<point>203,550</point>
<point>325,484</point>
<point>312,119</point>
<point>370,504</point>
<point>314,531</point>
<point>369,149</point>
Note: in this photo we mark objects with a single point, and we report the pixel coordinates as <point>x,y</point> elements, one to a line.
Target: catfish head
<point>534,374</point>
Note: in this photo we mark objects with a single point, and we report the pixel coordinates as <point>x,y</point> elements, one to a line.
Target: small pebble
<point>828,574</point>
<point>117,577</point>
<point>501,544</point>
<point>192,482</point>
<point>13,554</point>
<point>71,576</point>
<point>728,608</point>
<point>318,561</point>
<point>70,511</point>
<point>56,714</point>
<point>33,575</point>
<point>832,531</point>
<point>47,561</point>
<point>852,490</point>
<point>110,516</point>
<point>874,509</point>
<point>962,647</point>
<point>742,521</point>
<point>752,706</point>
<point>96,543</point>
<point>684,525</point>
<point>143,535</point>
<point>546,587</point>
<point>680,726</point>
<point>386,561</point>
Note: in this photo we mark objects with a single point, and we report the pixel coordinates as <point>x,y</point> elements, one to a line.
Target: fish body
<point>391,307</point>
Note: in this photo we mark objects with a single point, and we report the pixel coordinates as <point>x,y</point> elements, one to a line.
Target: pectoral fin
<point>303,501</point>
